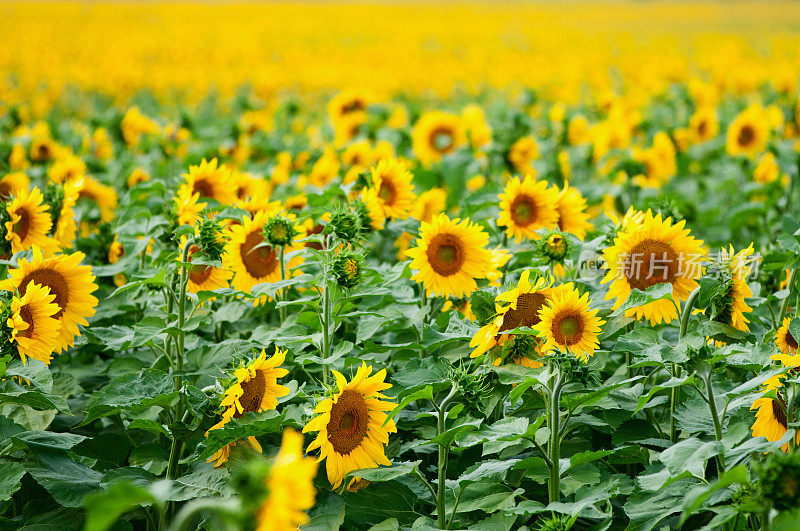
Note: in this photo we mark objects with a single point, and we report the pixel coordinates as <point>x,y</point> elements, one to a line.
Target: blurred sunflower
<point>429,203</point>
<point>102,195</point>
<point>652,252</point>
<point>291,487</point>
<point>767,170</point>
<point>29,222</point>
<point>66,168</point>
<point>450,255</point>
<point>522,154</point>
<point>436,134</point>
<point>749,132</point>
<point>34,330</point>
<point>352,433</point>
<point>348,105</point>
<point>12,183</point>
<point>703,125</point>
<point>572,215</point>
<point>61,209</point>
<point>526,206</point>
<point>72,285</point>
<point>256,389</point>
<point>568,324</point>
<point>395,193</point>
<point>211,181</point>
<point>514,308</point>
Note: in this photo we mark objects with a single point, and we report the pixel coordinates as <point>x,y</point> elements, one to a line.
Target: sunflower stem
<point>441,411</point>
<point>554,446</point>
<point>280,293</point>
<point>785,303</point>
<point>676,371</point>
<point>712,406</point>
<point>326,317</point>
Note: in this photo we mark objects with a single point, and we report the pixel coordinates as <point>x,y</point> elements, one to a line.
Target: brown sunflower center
<point>198,273</point>
<point>258,262</point>
<point>567,327</point>
<point>22,226</point>
<point>353,106</point>
<point>387,192</point>
<point>702,127</point>
<point>441,139</point>
<point>253,394</point>
<point>780,414</point>
<point>27,316</point>
<point>204,188</point>
<point>53,280</point>
<point>316,230</point>
<point>44,151</point>
<point>523,210</point>
<point>446,254</point>
<point>650,262</point>
<point>5,189</point>
<point>791,341</point>
<point>746,136</point>
<point>348,424</point>
<point>526,313</point>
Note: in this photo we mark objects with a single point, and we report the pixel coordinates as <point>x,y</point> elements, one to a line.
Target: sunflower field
<point>395,265</point>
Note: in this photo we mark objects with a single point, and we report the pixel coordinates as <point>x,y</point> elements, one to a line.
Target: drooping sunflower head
<point>450,255</point>
<point>211,181</point>
<point>771,419</point>
<point>652,252</point>
<point>69,282</point>
<point>28,221</point>
<point>34,330</point>
<point>351,428</point>
<point>733,269</point>
<point>394,190</point>
<point>567,324</point>
<point>61,198</point>
<point>527,206</point>
<point>784,339</point>
<point>436,134</point>
<point>572,214</point>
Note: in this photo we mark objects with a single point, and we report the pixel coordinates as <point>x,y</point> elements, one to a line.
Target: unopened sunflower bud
<point>280,231</point>
<point>209,238</point>
<point>555,246</point>
<point>53,196</point>
<point>347,269</point>
<point>345,223</point>
<point>365,221</point>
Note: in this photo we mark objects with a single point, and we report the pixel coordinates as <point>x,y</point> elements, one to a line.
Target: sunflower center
<point>441,139</point>
<point>567,328</point>
<point>5,189</point>
<point>746,136</point>
<point>198,273</point>
<point>253,394</point>
<point>22,226</point>
<point>702,127</point>
<point>446,254</point>
<point>353,106</point>
<point>27,316</point>
<point>526,313</point>
<point>650,262</point>
<point>53,280</point>
<point>258,262</point>
<point>44,151</point>
<point>204,188</point>
<point>523,210</point>
<point>791,341</point>
<point>780,414</point>
<point>387,192</point>
<point>316,230</point>
<point>348,424</point>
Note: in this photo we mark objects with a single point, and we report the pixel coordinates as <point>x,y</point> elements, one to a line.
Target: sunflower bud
<point>668,209</point>
<point>345,223</point>
<point>779,480</point>
<point>482,304</point>
<point>519,347</point>
<point>279,231</point>
<point>555,246</point>
<point>365,222</point>
<point>210,238</point>
<point>54,197</point>
<point>347,269</point>
<point>474,387</point>
<point>555,522</point>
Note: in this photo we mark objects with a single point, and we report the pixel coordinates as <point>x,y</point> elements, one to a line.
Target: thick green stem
<point>326,319</point>
<point>785,303</point>
<point>227,510</point>
<point>712,406</point>
<point>554,446</point>
<point>441,428</point>
<point>282,291</point>
<point>676,371</point>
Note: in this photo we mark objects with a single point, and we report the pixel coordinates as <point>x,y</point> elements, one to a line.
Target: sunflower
<point>703,125</point>
<point>352,433</point>
<point>348,106</point>
<point>29,222</point>
<point>568,324</point>
<point>478,130</point>
<point>436,134</point>
<point>137,176</point>
<point>651,252</point>
<point>34,330</point>
<point>256,389</point>
<point>291,487</point>
<point>392,182</point>
<point>771,422</point>
<point>66,168</point>
<point>784,339</point>
<point>572,215</point>
<point>325,169</point>
<point>515,308</point>
<point>749,132</point>
<point>71,283</point>
<point>526,206</point>
<point>98,193</point>
<point>211,182</point>
<point>251,265</point>
<point>522,154</point>
<point>450,255</point>
<point>767,170</point>
<point>64,226</point>
<point>373,207</point>
<point>42,148</point>
<point>737,267</point>
<point>206,277</point>
<point>428,204</point>
<point>188,205</point>
<point>12,183</point>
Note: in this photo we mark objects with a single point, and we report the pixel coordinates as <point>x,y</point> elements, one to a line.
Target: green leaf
<point>103,509</point>
<point>132,392</point>
<point>10,475</point>
<point>426,393</point>
<point>640,298</point>
<point>386,473</point>
<point>698,495</point>
<point>66,480</point>
<point>690,455</point>
<point>248,425</point>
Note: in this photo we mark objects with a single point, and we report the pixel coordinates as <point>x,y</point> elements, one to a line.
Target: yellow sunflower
<point>352,434</point>
<point>572,215</point>
<point>526,206</point>
<point>449,256</point>
<point>348,105</point>
<point>66,168</point>
<point>29,222</point>
<point>71,283</point>
<point>251,265</point>
<point>34,330</point>
<point>65,228</point>
<point>206,277</point>
<point>188,205</point>
<point>749,132</point>
<point>13,183</point>
<point>256,389</point>
<point>392,181</point>
<point>137,176</point>
<point>372,203</point>
<point>737,265</point>
<point>436,134</point>
<point>703,125</point>
<point>515,308</point>
<point>211,182</point>
<point>98,193</point>
<point>428,204</point>
<point>291,487</point>
<point>771,422</point>
<point>522,154</point>
<point>784,339</point>
<point>652,252</point>
<point>568,324</point>
<point>767,170</point>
